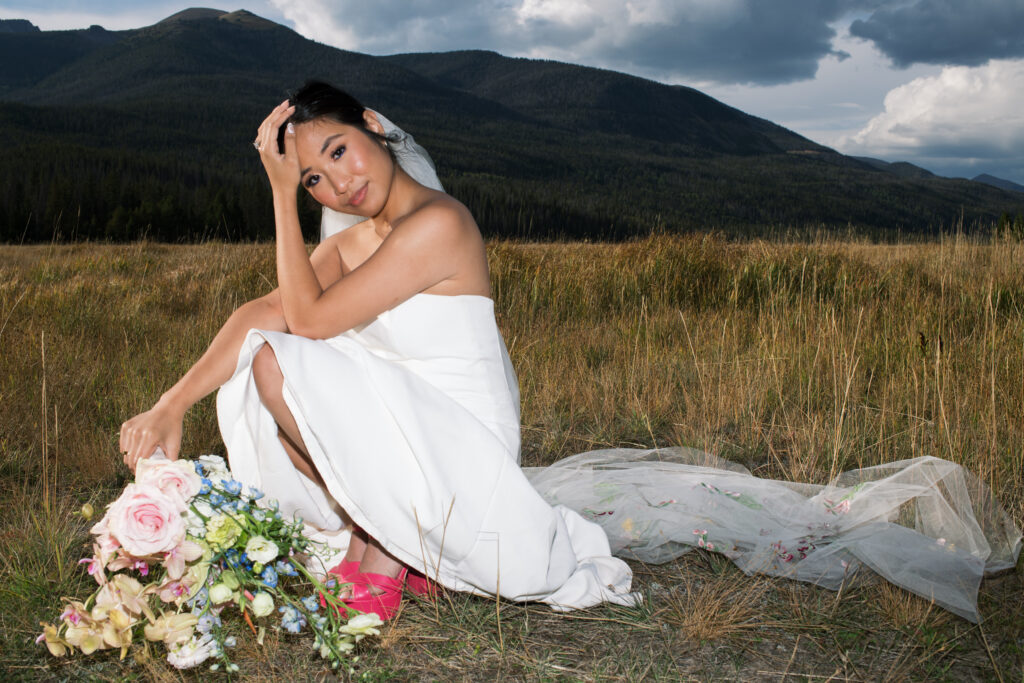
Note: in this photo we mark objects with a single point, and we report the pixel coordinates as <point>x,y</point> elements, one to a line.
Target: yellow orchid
<point>121,592</point>
<point>86,636</point>
<point>54,643</point>
<point>117,631</point>
<point>171,628</point>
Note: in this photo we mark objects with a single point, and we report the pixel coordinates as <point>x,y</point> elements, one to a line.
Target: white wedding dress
<point>413,422</point>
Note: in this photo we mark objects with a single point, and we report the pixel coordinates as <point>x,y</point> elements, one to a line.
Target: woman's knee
<point>266,372</point>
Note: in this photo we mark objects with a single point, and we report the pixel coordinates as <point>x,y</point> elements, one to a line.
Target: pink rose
<point>145,521</point>
<point>173,477</point>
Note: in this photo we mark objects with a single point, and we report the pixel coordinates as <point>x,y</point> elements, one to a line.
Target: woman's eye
<point>336,154</point>
<point>312,180</point>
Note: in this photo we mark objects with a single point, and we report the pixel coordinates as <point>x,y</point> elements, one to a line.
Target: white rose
<point>219,593</point>
<point>261,550</point>
<point>262,604</point>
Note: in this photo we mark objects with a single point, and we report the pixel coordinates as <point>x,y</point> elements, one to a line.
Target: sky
<point>938,83</point>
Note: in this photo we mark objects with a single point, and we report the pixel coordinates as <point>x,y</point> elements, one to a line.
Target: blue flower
<point>198,466</point>
<point>232,486</point>
<point>292,620</point>
<point>205,485</point>
<point>269,577</point>
<point>241,505</point>
<point>311,602</point>
<point>259,515</point>
<point>207,622</point>
<point>255,493</point>
<point>199,600</point>
<point>286,568</point>
<point>217,500</point>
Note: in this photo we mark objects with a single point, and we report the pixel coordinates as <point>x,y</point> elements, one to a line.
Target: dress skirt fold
<point>412,422</point>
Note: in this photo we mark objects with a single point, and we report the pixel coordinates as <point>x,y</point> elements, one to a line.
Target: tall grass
<point>797,360</point>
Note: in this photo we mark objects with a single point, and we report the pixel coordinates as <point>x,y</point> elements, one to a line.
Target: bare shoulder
<point>440,219</point>
<point>446,241</point>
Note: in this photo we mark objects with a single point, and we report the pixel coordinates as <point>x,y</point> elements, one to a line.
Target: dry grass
<point>796,360</point>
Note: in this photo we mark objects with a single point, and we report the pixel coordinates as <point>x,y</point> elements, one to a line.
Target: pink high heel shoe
<point>384,603</point>
<point>346,571</point>
<point>420,585</point>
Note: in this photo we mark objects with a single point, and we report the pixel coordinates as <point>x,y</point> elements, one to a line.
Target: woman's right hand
<point>159,426</point>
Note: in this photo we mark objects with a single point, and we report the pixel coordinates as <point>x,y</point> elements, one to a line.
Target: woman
<point>373,387</point>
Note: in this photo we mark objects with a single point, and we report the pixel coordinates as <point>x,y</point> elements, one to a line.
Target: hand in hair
<point>282,166</point>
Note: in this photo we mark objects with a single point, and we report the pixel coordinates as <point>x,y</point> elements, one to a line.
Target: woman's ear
<point>371,122</point>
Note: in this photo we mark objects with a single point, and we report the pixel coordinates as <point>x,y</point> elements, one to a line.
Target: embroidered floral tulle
<point>924,524</point>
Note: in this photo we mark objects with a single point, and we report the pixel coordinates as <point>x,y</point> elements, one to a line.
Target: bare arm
<point>161,425</point>
<point>427,249</point>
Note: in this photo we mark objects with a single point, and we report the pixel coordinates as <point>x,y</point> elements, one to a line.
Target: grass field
<point>795,360</point>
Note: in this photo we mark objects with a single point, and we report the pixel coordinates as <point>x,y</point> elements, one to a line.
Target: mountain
<point>572,97</point>
<point>899,168</point>
<point>1001,183</point>
<point>117,134</point>
<point>17,26</point>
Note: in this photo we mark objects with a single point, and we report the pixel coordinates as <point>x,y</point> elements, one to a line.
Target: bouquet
<point>183,546</point>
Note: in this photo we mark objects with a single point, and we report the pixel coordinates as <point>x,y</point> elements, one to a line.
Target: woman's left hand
<point>282,169</point>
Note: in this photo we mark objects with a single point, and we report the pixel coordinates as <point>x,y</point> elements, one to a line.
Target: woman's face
<point>343,167</point>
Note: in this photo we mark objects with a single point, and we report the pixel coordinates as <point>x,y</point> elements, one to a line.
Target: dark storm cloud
<point>960,32</point>
<point>757,42</point>
<point>727,41</point>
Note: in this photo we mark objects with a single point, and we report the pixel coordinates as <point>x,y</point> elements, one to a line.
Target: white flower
<point>219,593</point>
<point>363,625</point>
<point>261,550</point>
<point>194,524</point>
<point>262,604</point>
<point>214,467</point>
<point>192,652</point>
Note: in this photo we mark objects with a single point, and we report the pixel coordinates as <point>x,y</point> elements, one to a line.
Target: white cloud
<point>969,113</point>
<point>113,15</point>
<point>61,19</point>
<point>307,17</point>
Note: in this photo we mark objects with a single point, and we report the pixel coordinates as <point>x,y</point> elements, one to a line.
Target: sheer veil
<point>927,525</point>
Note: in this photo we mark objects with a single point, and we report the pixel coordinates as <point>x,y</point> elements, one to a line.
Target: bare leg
<point>269,382</point>
<point>376,560</point>
<point>357,546</point>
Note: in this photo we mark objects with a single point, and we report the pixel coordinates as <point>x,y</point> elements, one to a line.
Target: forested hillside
<point>117,135</point>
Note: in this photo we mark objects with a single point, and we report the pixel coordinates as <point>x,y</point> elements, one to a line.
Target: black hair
<point>317,100</point>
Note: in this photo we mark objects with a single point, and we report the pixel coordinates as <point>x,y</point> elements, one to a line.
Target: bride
<point>371,394</point>
<point>372,390</point>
